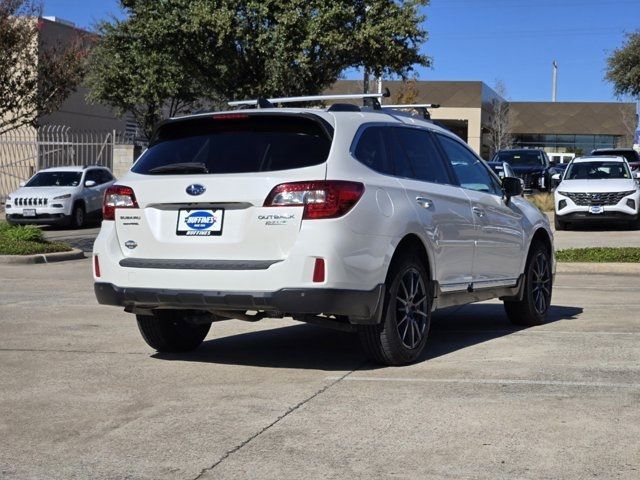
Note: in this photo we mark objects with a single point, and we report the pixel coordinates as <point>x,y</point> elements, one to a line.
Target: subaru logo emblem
<point>196,189</point>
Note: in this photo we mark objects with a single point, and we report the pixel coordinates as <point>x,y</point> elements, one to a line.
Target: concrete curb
<point>599,268</point>
<point>74,254</point>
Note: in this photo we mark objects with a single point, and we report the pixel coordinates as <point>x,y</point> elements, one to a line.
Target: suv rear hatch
<point>200,187</point>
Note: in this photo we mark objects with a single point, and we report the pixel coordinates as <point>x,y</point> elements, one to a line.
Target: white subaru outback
<point>359,219</point>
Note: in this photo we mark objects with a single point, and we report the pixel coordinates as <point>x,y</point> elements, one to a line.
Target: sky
<point>514,41</point>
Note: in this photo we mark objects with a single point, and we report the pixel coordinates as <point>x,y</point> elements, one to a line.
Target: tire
<point>167,331</point>
<point>559,224</point>
<point>533,309</point>
<point>400,340</point>
<point>78,216</point>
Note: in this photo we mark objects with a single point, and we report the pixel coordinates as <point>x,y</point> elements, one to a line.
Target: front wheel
<point>78,216</point>
<point>538,284</point>
<point>402,334</point>
<point>169,331</point>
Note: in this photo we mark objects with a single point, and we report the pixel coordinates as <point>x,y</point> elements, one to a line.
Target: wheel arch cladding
<point>541,236</point>
<point>413,242</point>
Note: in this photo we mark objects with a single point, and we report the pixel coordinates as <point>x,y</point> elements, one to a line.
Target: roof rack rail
<point>369,99</point>
<point>420,107</point>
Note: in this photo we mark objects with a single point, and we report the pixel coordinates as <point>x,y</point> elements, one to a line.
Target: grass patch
<point>544,201</point>
<point>600,255</point>
<point>27,240</point>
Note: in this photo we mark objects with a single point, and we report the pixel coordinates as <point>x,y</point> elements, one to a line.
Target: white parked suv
<point>597,189</point>
<point>364,220</point>
<point>60,196</point>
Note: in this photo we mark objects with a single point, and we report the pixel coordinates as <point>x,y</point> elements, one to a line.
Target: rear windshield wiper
<point>186,167</point>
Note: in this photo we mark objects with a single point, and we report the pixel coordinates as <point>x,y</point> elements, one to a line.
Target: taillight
<point>320,199</point>
<point>117,196</point>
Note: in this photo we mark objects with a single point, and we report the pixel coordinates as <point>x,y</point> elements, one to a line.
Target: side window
<point>105,176</point>
<point>423,155</point>
<point>471,172</point>
<point>93,175</point>
<point>371,150</point>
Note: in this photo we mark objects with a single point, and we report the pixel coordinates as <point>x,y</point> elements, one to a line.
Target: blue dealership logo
<point>200,220</point>
<point>196,189</point>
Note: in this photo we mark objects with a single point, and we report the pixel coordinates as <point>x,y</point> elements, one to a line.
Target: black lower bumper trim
<point>597,217</point>
<point>361,306</point>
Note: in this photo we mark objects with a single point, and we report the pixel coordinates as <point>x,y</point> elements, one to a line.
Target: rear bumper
<point>361,306</point>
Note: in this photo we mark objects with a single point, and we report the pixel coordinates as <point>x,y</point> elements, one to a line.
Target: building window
<point>578,144</point>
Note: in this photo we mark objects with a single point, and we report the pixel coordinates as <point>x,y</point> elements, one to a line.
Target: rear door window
<point>422,155</point>
<point>236,143</point>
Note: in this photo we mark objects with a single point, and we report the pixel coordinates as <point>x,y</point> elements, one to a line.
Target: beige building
<point>78,132</point>
<point>574,127</point>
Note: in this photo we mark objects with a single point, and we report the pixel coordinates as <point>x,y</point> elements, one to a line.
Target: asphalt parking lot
<point>83,397</point>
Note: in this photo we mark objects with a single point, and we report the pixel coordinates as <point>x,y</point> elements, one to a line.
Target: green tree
<point>623,67</point>
<point>35,78</point>
<point>183,50</point>
<point>136,66</point>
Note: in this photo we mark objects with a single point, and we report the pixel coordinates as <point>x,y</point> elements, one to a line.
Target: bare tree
<point>500,124</point>
<point>34,78</point>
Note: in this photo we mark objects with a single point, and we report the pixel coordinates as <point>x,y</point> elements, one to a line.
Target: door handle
<point>424,202</point>
<point>478,211</point>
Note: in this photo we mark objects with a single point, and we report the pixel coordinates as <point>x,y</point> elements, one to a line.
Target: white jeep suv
<point>598,189</point>
<point>60,196</point>
<point>364,220</point>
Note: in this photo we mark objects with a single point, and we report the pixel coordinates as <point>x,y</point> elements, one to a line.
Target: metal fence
<point>25,151</point>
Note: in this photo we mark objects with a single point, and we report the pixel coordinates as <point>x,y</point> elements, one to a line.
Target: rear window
<point>236,143</point>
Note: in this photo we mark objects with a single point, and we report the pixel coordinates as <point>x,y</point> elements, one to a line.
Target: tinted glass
<point>521,158</point>
<point>423,155</point>
<point>371,150</point>
<point>55,179</point>
<point>597,171</point>
<point>237,144</point>
<point>93,175</point>
<point>471,172</point>
<point>105,176</point>
<point>630,155</point>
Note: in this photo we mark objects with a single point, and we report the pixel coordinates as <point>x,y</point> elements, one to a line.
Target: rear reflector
<point>320,199</point>
<point>318,271</point>
<point>96,265</point>
<point>117,196</point>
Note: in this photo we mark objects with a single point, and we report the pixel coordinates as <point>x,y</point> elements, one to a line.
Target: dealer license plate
<point>200,222</point>
<point>29,212</point>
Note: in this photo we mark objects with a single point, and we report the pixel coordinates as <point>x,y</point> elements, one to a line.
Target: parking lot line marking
<point>529,332</point>
<point>497,381</point>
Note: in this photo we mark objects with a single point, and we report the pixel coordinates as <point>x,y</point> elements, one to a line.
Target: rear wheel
<point>402,334</point>
<point>538,284</point>
<point>169,331</point>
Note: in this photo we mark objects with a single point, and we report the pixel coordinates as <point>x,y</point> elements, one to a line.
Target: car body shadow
<point>309,347</point>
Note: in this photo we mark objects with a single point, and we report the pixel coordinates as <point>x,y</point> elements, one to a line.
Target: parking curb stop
<point>74,254</point>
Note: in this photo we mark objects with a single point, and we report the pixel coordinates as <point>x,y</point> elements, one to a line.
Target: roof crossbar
<point>419,107</point>
<point>372,98</point>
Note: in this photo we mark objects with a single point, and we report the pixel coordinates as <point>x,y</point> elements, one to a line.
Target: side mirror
<point>512,187</point>
<point>22,184</point>
<point>90,183</point>
<point>555,176</point>
<point>636,175</point>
